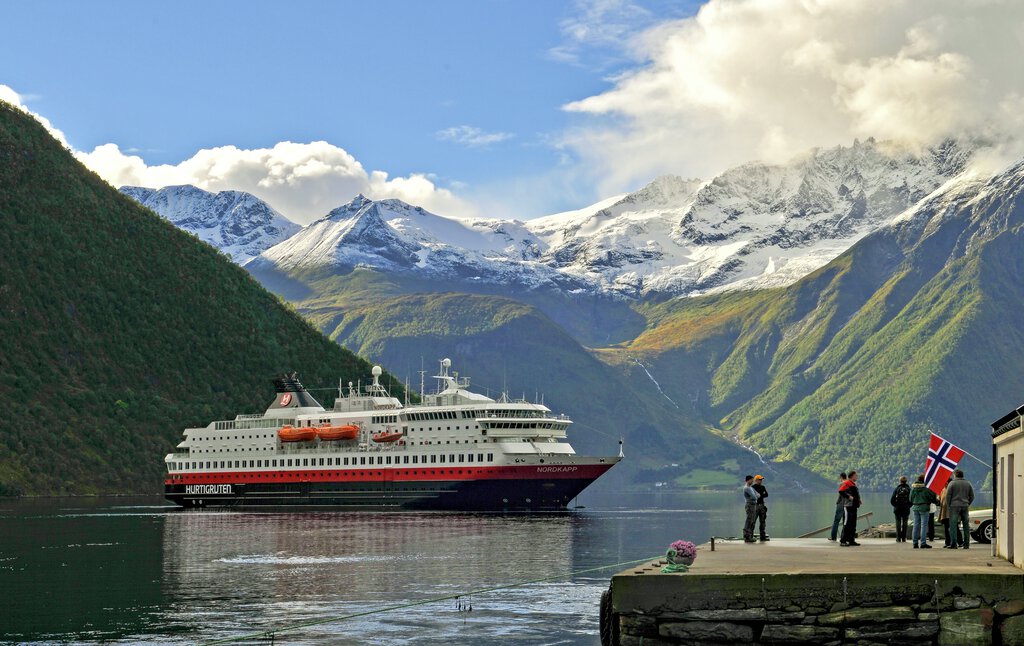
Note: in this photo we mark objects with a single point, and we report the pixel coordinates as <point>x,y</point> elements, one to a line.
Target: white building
<point>1008,462</point>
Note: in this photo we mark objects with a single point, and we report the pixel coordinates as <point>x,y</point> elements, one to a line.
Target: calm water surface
<point>130,571</point>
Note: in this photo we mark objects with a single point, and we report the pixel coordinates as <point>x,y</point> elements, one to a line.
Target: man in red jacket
<point>851,501</point>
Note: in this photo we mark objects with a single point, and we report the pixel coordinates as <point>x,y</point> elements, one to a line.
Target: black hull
<point>472,495</point>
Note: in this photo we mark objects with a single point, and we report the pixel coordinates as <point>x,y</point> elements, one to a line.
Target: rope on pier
<point>269,635</point>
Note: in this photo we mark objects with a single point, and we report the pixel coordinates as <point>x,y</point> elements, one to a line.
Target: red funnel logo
<point>286,399</point>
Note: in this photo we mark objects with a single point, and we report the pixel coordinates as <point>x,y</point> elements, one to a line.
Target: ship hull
<point>533,488</point>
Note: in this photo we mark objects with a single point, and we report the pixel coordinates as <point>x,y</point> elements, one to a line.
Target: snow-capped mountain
<point>239,224</point>
<point>391,235</point>
<point>756,225</point>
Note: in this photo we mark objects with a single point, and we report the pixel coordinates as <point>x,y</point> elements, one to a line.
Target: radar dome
<point>377,371</point>
<point>447,363</point>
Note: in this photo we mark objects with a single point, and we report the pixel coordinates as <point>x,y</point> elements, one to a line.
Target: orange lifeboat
<point>328,433</point>
<point>292,434</point>
<point>386,436</point>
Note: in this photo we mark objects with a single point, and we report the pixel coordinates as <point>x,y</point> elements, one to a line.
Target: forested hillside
<point>118,329</point>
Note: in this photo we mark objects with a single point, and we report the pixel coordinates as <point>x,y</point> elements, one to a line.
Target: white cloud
<point>748,79</point>
<point>302,180</point>
<point>472,136</point>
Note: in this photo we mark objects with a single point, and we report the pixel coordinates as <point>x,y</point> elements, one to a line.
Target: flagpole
<point>987,465</point>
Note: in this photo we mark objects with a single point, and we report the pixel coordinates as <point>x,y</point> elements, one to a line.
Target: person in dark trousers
<point>838,518</point>
<point>762,506</point>
<point>851,502</point>
<point>750,499</point>
<point>900,501</point>
<point>959,496</point>
<point>949,541</point>
<point>931,522</point>
<point>921,499</point>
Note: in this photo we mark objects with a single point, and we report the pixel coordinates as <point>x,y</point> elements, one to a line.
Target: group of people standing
<point>953,503</point>
<point>754,494</point>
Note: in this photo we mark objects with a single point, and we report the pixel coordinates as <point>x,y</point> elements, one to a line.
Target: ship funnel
<point>291,394</point>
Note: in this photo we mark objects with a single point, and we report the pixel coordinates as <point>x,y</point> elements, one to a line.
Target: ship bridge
<point>453,391</point>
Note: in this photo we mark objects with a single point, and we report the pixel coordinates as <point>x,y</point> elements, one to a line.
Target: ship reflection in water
<point>134,572</point>
<point>245,573</point>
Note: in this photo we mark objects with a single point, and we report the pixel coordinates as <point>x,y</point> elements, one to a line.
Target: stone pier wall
<point>652,609</point>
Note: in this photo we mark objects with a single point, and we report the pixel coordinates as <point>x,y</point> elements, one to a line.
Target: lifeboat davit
<point>328,433</point>
<point>387,436</point>
<point>294,434</point>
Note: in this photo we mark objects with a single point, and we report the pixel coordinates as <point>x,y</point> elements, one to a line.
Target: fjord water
<point>128,571</point>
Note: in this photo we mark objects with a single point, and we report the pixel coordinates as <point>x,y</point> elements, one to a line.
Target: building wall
<point>1010,492</point>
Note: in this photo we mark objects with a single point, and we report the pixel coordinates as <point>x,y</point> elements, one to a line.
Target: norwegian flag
<point>943,456</point>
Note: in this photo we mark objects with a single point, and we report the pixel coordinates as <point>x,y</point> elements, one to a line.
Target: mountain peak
<point>238,223</point>
<point>666,190</point>
<point>356,233</point>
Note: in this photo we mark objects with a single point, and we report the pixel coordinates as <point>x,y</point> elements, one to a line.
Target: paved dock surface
<point>820,556</point>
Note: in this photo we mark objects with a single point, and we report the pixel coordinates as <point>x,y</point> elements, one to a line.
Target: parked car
<point>980,520</point>
<point>983,529</point>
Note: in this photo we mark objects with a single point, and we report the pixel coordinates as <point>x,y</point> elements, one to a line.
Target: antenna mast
<point>422,377</point>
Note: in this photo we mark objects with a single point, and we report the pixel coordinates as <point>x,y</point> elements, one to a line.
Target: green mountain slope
<point>119,330</point>
<point>508,346</point>
<point>911,330</point>
<point>325,292</point>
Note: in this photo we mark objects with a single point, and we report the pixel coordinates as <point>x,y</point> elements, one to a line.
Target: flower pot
<point>675,558</point>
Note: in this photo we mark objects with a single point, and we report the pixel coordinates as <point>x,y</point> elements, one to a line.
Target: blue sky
<point>383,80</point>
<point>378,78</point>
<point>502,108</point>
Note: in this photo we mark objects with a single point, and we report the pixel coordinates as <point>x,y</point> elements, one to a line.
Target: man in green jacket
<point>921,499</point>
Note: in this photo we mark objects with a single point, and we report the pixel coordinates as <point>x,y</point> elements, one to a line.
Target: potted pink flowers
<point>681,553</point>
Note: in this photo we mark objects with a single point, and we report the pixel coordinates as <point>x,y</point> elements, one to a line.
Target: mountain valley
<point>798,319</point>
<point>811,313</point>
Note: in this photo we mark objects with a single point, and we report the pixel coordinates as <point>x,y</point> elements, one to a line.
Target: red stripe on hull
<point>392,474</point>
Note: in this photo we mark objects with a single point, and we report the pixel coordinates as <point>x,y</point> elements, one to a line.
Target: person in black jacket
<point>762,507</point>
<point>900,502</point>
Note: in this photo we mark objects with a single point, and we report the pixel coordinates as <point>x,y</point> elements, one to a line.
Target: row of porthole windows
<point>271,448</point>
<point>443,414</point>
<point>266,448</point>
<point>339,474</point>
<point>523,425</point>
<point>330,462</point>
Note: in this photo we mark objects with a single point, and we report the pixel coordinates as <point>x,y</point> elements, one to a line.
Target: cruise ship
<point>455,450</point>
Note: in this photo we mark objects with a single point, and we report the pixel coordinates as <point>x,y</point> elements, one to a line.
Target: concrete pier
<point>812,591</point>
